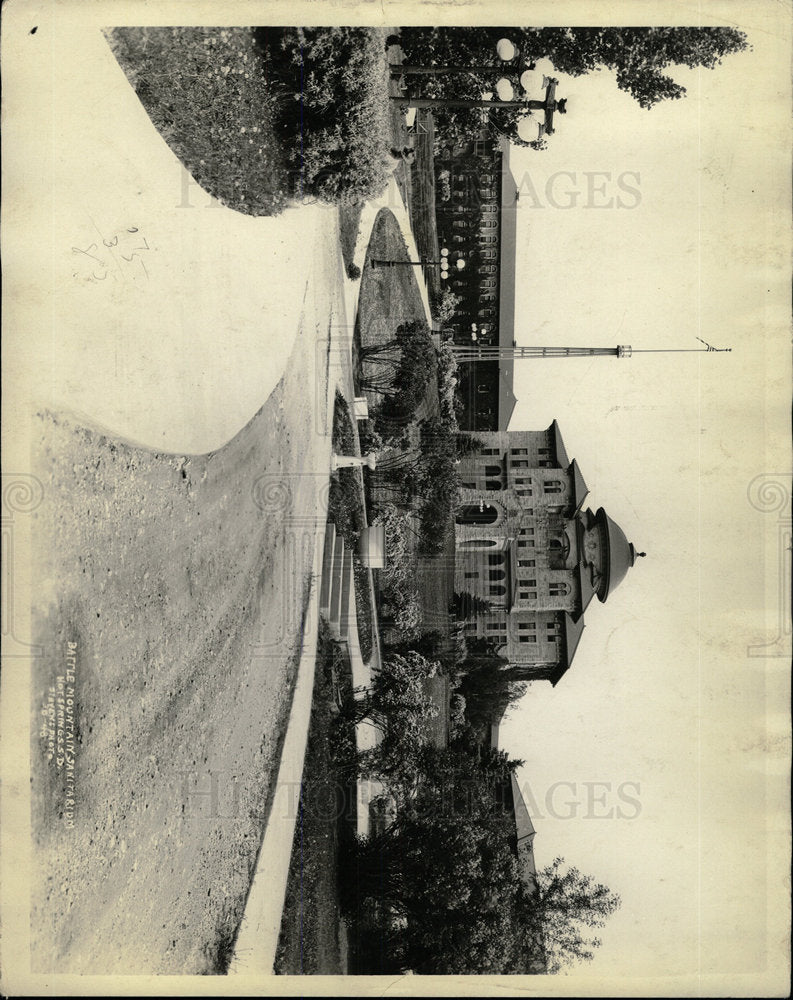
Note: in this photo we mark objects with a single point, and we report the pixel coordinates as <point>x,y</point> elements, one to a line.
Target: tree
<point>446,881</point>
<point>637,56</point>
<point>566,905</point>
<point>466,605</point>
<point>447,307</point>
<point>396,704</point>
<point>399,370</point>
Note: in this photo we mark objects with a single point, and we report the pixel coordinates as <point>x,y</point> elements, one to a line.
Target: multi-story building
<point>527,552</point>
<point>476,216</point>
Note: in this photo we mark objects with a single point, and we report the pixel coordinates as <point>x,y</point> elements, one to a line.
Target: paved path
<point>177,348</point>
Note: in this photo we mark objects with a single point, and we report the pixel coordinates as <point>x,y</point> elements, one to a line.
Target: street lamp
<point>443,263</point>
<point>376,262</point>
<point>460,264</point>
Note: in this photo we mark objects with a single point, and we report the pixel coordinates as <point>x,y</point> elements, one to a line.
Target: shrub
<point>335,108</point>
<point>448,306</point>
<point>399,592</point>
<point>447,385</point>
<point>353,271</point>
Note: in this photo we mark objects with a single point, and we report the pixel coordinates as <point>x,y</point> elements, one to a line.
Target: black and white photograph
<point>396,499</point>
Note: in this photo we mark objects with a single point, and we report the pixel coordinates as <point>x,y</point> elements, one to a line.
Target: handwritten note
<point>121,257</point>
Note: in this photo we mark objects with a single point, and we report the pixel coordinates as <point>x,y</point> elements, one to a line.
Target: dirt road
<point>168,596</point>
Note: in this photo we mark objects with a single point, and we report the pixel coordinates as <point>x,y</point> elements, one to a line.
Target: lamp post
<point>443,263</point>
<point>512,65</point>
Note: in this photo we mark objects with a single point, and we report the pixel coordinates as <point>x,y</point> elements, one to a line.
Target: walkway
<point>177,347</point>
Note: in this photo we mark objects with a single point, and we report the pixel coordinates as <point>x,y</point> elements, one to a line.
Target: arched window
<point>473,513</point>
<point>553,486</point>
<point>554,543</point>
<point>496,574</point>
<point>558,589</point>
<point>477,543</point>
<point>492,470</point>
<point>497,590</point>
<point>494,484</point>
<point>496,558</point>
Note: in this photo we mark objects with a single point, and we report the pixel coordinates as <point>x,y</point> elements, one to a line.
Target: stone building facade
<point>527,552</point>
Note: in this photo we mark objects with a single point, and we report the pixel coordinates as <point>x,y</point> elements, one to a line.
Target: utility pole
<point>473,352</point>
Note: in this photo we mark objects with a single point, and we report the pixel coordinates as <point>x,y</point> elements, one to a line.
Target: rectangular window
<point>496,626</point>
<point>470,627</point>
<point>472,576</point>
<point>544,451</point>
<point>490,451</point>
<point>527,638</point>
<point>527,531</point>
<point>520,463</point>
<point>527,626</point>
<point>545,464</point>
<point>519,451</point>
<point>528,595</point>
<point>528,583</point>
<point>526,543</point>
<point>468,486</point>
<point>527,563</point>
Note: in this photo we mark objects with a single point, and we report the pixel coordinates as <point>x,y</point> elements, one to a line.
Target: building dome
<point>618,554</point>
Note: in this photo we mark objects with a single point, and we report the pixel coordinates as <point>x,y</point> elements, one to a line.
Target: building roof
<point>585,587</point>
<point>618,555</point>
<point>507,279</point>
<point>561,452</point>
<point>573,630</point>
<point>580,488</point>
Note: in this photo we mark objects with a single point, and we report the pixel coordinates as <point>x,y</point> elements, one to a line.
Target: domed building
<point>529,558</point>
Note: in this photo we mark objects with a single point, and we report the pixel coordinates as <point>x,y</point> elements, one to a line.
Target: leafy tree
<point>446,876</point>
<point>569,903</point>
<point>397,705</point>
<point>447,307</point>
<point>637,56</point>
<point>466,605</point>
<point>399,370</point>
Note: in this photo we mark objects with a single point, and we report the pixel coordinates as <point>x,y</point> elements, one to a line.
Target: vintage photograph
<point>396,500</point>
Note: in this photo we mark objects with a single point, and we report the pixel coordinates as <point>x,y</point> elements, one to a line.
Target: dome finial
<point>642,554</point>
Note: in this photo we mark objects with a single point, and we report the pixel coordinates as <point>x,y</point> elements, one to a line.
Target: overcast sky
<point>662,693</point>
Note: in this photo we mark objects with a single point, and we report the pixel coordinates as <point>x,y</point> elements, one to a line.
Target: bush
<point>353,271</point>
<point>448,307</point>
<point>447,385</point>
<point>334,112</point>
<point>399,592</point>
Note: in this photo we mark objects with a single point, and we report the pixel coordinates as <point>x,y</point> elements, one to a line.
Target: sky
<point>663,708</point>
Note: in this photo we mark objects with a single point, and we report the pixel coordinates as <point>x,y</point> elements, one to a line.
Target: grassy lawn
<point>346,510</point>
<point>422,205</point>
<point>312,940</point>
<point>260,116</point>
<point>388,297</point>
